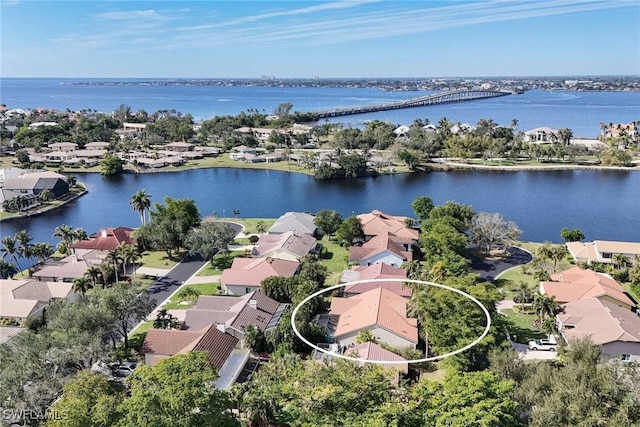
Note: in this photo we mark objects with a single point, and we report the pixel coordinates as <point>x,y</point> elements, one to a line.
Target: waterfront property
<point>107,239</point>
<point>24,298</point>
<point>602,250</point>
<point>373,272</point>
<point>386,249</point>
<point>299,222</point>
<point>378,223</point>
<point>291,246</point>
<point>246,274</point>
<point>28,187</point>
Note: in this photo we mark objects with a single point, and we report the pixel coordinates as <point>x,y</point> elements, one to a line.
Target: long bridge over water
<point>434,99</point>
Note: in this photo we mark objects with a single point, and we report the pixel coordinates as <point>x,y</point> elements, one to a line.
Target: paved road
<point>490,269</point>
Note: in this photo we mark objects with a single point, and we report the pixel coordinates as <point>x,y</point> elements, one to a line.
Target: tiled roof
<point>195,319</point>
<point>617,247</point>
<point>372,272</point>
<point>601,320</point>
<point>576,283</point>
<point>296,244</point>
<point>107,239</point>
<point>377,245</point>
<point>167,342</point>
<point>217,345</point>
<point>373,351</point>
<point>379,307</point>
<point>379,223</point>
<point>252,271</point>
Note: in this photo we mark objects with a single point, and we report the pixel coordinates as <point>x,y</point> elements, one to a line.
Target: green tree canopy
<point>327,221</point>
<point>111,165</point>
<point>350,231</point>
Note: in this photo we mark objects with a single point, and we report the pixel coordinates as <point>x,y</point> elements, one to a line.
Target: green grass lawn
<point>219,264</point>
<point>204,288</point>
<point>250,224</point>
<point>159,259</point>
<point>334,256</point>
<point>522,326</point>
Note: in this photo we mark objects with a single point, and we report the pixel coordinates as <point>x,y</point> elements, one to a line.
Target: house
<point>373,272</point>
<point>180,147</point>
<point>614,328</point>
<point>63,146</point>
<point>379,223</point>
<point>576,283</point>
<point>299,222</point>
<point>97,145</point>
<point>233,314</point>
<point>602,250</point>
<point>246,274</point>
<point>541,135</point>
<point>20,299</point>
<point>386,249</point>
<point>241,152</point>
<point>70,267</point>
<point>36,182</point>
<point>462,129</point>
<point>107,239</point>
<point>619,130</point>
<point>220,349</point>
<point>380,311</point>
<point>289,246</point>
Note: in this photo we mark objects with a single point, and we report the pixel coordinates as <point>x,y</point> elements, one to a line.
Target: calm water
<point>580,111</point>
<point>603,204</point>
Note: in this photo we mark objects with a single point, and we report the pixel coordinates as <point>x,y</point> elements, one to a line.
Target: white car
<point>543,344</point>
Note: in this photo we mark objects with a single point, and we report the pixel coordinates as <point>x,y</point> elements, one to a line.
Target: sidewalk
<point>157,272</point>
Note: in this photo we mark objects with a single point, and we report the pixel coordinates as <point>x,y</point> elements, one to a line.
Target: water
<point>580,111</point>
<point>603,204</point>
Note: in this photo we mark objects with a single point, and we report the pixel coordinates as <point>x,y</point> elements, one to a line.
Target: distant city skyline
<point>330,39</point>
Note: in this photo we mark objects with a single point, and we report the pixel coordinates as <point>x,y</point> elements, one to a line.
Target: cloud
<point>133,15</point>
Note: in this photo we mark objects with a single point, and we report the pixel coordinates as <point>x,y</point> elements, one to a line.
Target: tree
<point>93,274</point>
<point>571,235</point>
<point>620,261</point>
<point>10,249</point>
<point>283,109</point>
<point>410,158</point>
<point>256,339</point>
<point>422,206</point>
<point>524,293</point>
<point>164,320</point>
<point>7,269</point>
<point>490,231</point>
<point>141,203</point>
<point>46,195</point>
<point>236,213</point>
<point>81,285</point>
<point>209,239</point>
<point>558,253</point>
<point>177,391</point>
<point>261,227</point>
<point>88,400</point>
<point>188,293</point>
<point>565,135</point>
<point>111,166</point>
<point>127,305</point>
<point>328,221</point>
<point>350,231</point>
<point>365,336</point>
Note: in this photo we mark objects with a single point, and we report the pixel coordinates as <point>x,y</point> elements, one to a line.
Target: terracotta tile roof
<point>291,242</point>
<point>576,283</point>
<point>602,320</point>
<point>107,239</point>
<point>379,223</point>
<point>195,319</point>
<point>377,245</point>
<point>169,342</point>
<point>373,351</point>
<point>632,248</point>
<point>378,307</point>
<point>252,271</point>
<point>372,272</point>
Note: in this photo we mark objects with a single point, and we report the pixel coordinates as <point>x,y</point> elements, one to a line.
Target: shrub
<point>253,239</point>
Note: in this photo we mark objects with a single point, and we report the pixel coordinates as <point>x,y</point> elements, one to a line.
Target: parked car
<point>124,369</point>
<point>543,344</point>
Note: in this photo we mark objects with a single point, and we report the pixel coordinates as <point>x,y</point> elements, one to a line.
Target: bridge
<point>434,99</point>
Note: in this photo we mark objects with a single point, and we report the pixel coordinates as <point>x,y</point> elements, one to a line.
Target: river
<point>603,204</point>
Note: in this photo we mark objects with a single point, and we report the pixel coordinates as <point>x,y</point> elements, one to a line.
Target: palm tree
<point>620,261</point>
<point>42,251</point>
<point>106,270</point>
<point>25,248</point>
<point>81,284</point>
<point>141,203</point>
<point>93,273</point>
<point>7,269</point>
<point>114,257</point>
<point>129,255</point>
<point>188,293</point>
<point>558,253</point>
<point>11,250</point>
<point>46,195</point>
<point>66,235</point>
<point>523,292</point>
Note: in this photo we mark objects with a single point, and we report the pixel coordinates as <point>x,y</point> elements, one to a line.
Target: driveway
<point>525,354</point>
<point>490,269</point>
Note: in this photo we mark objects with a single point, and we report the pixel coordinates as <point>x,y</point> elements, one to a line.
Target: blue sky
<point>302,39</point>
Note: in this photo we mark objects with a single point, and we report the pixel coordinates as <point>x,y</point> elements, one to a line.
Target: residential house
<point>576,283</point>
<point>371,273</point>
<point>70,267</point>
<point>180,147</point>
<point>541,135</point>
<point>386,249</point>
<point>290,246</point>
<point>246,274</point>
<point>97,145</point>
<point>36,182</point>
<point>240,152</point>
<point>620,130</point>
<point>20,299</point>
<point>63,146</point>
<point>220,349</point>
<point>233,314</point>
<point>380,311</point>
<point>299,222</point>
<point>602,250</point>
<point>615,329</point>
<point>379,223</point>
<point>107,239</point>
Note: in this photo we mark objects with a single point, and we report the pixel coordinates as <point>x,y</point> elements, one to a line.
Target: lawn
<point>250,224</point>
<point>334,256</point>
<point>522,326</point>
<point>221,262</point>
<point>159,259</point>
<point>204,288</point>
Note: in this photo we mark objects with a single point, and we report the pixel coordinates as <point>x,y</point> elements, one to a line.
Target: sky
<point>326,39</point>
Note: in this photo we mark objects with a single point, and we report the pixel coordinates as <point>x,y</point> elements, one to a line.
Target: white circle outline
<point>388,362</point>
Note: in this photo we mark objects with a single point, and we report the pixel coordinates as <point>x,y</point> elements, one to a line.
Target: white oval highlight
<point>388,362</point>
